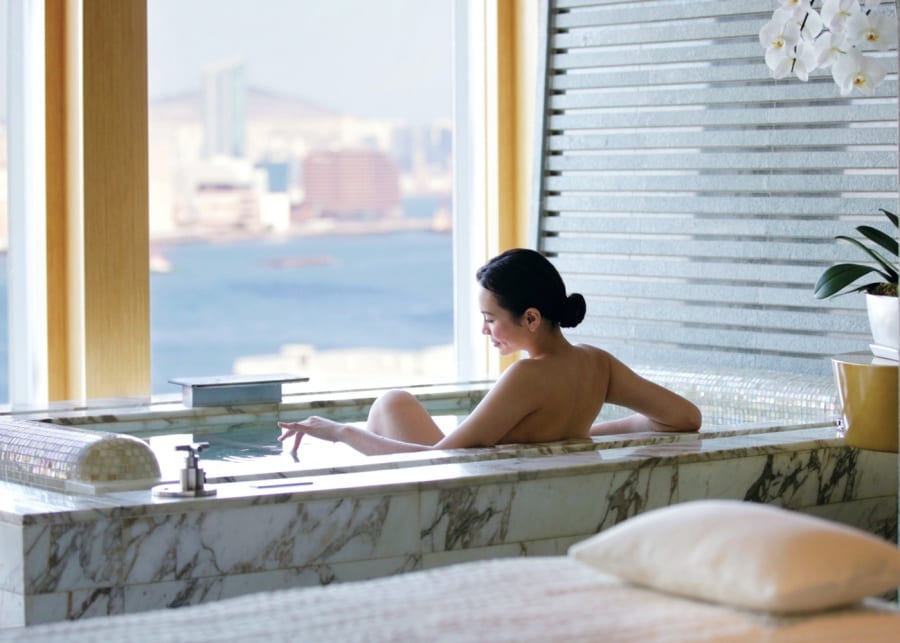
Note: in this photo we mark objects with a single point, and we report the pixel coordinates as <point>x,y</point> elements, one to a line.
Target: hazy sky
<point>387,58</point>
<point>384,58</point>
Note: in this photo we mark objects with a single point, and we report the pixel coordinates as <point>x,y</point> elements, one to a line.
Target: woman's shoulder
<point>595,352</point>
<point>526,374</point>
<point>529,367</point>
<point>524,366</point>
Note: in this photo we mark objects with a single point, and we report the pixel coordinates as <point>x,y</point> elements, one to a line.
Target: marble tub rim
<point>511,451</point>
<point>233,495</point>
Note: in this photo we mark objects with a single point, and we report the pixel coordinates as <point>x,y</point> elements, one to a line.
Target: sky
<point>382,58</point>
<point>376,58</point>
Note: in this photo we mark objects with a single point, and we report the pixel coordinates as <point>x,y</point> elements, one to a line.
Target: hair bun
<point>573,311</point>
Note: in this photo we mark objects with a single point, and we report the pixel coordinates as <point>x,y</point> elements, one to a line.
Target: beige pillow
<point>746,555</point>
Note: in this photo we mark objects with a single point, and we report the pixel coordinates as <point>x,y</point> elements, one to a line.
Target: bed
<point>582,596</point>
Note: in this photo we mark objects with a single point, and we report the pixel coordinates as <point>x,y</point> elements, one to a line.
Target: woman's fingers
<point>291,429</point>
<point>287,430</point>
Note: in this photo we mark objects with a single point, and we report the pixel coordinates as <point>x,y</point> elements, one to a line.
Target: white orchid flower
<point>780,37</point>
<point>809,22</point>
<point>805,59</point>
<point>835,13</point>
<point>781,32</point>
<point>801,59</point>
<point>799,40</point>
<point>855,71</point>
<point>812,25</point>
<point>872,31</point>
<point>829,46</point>
<point>780,62</point>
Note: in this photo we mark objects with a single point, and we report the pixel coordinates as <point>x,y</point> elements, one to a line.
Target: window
<point>86,330</point>
<point>23,356</point>
<point>4,202</point>
<point>301,190</point>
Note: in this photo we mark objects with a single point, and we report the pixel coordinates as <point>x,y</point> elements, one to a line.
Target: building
<point>224,194</point>
<point>350,184</point>
<point>224,110</point>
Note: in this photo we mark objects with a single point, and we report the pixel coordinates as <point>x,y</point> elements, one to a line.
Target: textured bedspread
<point>521,599</point>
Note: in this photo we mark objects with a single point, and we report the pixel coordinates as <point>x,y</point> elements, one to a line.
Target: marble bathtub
<point>270,526</point>
<point>68,557</point>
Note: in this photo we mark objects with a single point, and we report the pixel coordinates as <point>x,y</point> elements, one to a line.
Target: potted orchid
<point>840,35</point>
<point>837,279</point>
<point>844,36</point>
<point>881,294</point>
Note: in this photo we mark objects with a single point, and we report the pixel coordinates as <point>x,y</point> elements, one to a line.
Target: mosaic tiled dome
<point>69,459</point>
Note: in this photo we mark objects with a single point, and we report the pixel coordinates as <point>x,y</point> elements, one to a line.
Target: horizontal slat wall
<point>692,199</point>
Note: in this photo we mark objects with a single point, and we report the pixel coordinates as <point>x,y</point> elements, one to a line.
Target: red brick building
<point>350,184</point>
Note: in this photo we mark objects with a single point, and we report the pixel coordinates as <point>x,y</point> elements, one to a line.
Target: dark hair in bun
<point>521,279</point>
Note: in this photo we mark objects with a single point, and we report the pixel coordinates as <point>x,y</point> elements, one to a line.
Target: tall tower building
<point>224,110</point>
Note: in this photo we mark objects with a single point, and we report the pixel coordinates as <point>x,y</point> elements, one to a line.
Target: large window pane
<point>4,204</point>
<point>300,189</point>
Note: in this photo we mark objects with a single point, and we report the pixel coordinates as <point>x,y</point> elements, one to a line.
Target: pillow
<point>746,555</point>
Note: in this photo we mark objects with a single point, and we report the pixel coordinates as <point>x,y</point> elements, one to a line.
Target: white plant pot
<point>883,321</point>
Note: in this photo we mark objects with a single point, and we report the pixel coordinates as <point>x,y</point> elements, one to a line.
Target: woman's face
<point>506,332</point>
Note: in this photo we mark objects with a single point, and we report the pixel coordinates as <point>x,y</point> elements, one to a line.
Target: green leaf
<point>889,273</point>
<point>886,241</point>
<point>838,277</point>
<point>891,216</point>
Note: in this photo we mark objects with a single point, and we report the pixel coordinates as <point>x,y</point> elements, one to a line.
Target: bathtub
<point>275,523</point>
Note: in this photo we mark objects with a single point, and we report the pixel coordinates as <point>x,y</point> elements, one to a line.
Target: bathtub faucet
<point>192,476</point>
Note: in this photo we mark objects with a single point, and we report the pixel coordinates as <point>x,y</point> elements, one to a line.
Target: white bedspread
<point>522,599</point>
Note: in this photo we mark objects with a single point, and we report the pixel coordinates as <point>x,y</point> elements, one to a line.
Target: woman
<point>553,394</point>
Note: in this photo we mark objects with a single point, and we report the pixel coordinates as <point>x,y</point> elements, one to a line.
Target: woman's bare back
<point>554,397</point>
<point>571,388</point>
<point>559,395</point>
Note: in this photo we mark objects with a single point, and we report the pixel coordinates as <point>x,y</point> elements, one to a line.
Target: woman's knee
<point>398,414</point>
<point>386,408</point>
<point>395,396</point>
<point>393,399</point>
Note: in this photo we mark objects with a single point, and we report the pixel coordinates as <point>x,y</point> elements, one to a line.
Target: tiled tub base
<point>76,557</point>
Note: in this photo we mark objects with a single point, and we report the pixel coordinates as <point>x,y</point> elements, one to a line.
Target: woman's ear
<point>532,319</point>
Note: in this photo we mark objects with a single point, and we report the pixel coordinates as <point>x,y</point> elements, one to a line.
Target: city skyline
<point>228,158</point>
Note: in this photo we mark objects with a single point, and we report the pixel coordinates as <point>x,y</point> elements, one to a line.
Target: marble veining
<point>460,517</point>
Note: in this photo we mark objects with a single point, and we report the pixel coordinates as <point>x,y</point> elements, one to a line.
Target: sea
<point>226,300</point>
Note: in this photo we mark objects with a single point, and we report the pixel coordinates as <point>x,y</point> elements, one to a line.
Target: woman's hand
<point>317,427</point>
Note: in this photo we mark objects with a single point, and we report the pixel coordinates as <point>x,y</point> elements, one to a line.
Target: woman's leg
<point>399,415</point>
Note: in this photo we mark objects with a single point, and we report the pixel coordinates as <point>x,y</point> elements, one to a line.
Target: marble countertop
<point>297,482</point>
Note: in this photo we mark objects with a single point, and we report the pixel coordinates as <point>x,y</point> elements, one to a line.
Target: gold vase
<point>867,392</point>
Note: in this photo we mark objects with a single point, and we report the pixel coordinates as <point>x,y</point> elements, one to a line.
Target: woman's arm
<point>657,408</point>
<point>360,439</point>
<point>513,396</point>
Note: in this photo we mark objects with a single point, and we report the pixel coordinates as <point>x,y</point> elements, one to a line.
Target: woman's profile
<point>555,393</point>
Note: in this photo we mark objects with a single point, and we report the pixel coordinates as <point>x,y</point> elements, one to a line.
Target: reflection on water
<point>258,449</point>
